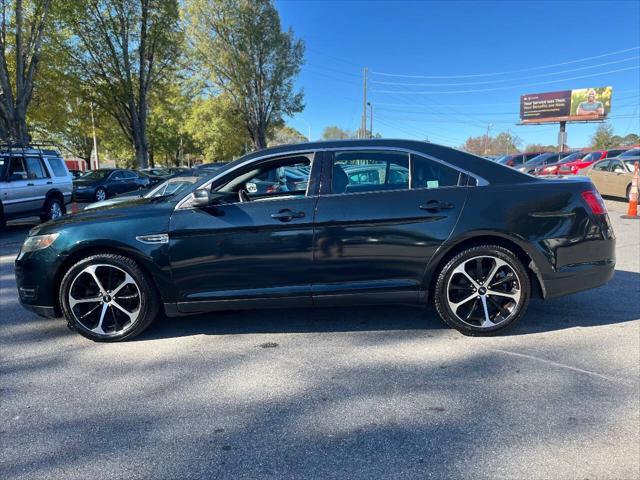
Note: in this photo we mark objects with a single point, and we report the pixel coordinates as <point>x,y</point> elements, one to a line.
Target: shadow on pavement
<point>602,306</point>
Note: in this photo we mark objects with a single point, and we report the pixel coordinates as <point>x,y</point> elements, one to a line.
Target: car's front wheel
<point>53,208</point>
<point>482,290</point>
<point>101,194</point>
<point>108,297</point>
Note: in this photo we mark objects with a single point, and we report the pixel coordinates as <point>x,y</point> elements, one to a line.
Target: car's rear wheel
<point>53,208</point>
<point>482,290</point>
<point>101,194</point>
<point>108,297</point>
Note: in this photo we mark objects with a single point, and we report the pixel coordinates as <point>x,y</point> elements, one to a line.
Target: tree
<point>630,139</point>
<point>286,135</point>
<point>216,129</point>
<point>247,56</point>
<point>334,132</point>
<point>28,28</point>
<point>505,143</point>
<point>121,50</point>
<point>603,137</point>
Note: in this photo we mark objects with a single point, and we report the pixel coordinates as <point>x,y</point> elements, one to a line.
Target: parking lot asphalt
<point>382,392</point>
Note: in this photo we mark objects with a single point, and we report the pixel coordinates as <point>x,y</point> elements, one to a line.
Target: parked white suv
<point>33,181</point>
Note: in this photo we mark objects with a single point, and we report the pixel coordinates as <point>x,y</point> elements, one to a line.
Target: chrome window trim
<point>480,181</point>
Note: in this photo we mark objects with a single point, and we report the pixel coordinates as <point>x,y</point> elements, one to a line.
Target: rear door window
<point>369,171</point>
<point>427,173</point>
<point>18,169</point>
<point>35,168</point>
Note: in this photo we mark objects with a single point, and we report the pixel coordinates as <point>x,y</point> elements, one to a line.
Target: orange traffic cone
<point>633,195</point>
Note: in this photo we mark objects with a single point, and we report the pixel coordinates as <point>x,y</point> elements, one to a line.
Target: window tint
<point>18,167</point>
<point>616,165</point>
<point>58,167</point>
<point>601,166</point>
<point>426,173</point>
<point>117,176</point>
<point>369,171</point>
<point>35,168</point>
<point>128,175</point>
<point>277,178</point>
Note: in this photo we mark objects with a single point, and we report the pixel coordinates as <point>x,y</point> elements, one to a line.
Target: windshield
<point>96,174</point>
<point>175,185</point>
<point>592,157</point>
<point>633,152</point>
<point>570,158</point>
<point>539,160</point>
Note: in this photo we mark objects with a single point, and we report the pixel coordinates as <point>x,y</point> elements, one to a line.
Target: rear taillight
<point>595,202</point>
<point>510,163</point>
<point>574,169</point>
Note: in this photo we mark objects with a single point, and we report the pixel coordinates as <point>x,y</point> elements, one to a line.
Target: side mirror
<point>201,198</point>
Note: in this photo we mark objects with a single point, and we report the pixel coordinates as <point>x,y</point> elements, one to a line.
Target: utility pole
<point>370,120</point>
<point>562,136</point>
<point>95,140</point>
<point>486,139</point>
<point>363,127</point>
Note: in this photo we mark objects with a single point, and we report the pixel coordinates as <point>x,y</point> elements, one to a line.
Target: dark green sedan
<point>473,237</point>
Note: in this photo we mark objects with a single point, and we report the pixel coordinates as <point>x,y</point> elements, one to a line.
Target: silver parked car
<point>34,181</point>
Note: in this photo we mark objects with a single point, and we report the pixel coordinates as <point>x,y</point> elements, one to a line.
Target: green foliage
<point>246,54</point>
<point>603,137</point>
<point>334,132</point>
<point>286,135</point>
<point>504,143</point>
<point>216,129</point>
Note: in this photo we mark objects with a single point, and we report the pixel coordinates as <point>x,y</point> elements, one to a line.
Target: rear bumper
<point>578,278</point>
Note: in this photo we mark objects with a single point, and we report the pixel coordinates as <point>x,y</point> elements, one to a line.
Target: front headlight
<point>38,242</point>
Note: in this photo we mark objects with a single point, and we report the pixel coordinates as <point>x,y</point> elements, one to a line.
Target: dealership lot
<point>334,393</point>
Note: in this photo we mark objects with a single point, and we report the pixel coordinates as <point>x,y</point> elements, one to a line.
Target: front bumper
<point>88,194</point>
<point>36,281</point>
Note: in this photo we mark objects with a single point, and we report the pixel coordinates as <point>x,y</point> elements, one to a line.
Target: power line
<point>402,92</point>
<point>487,82</point>
<point>530,69</point>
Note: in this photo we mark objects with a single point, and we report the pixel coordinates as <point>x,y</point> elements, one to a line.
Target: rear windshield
<point>539,160</point>
<point>592,157</point>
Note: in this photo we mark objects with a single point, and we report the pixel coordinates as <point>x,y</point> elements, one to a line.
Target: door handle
<point>29,184</point>
<point>286,215</point>
<point>436,206</point>
<point>49,183</point>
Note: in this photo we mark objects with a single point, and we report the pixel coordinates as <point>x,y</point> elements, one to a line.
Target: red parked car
<point>572,168</point>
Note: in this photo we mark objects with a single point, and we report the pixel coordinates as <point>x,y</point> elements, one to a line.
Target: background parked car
<point>542,160</point>
<point>612,176</point>
<point>211,166</point>
<point>105,183</point>
<point>632,152</point>
<point>553,168</point>
<point>517,159</point>
<point>172,186</point>
<point>33,181</point>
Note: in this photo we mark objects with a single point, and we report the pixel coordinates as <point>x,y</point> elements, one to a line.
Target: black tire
<point>49,205</point>
<point>148,298</point>
<point>100,189</point>
<point>3,221</point>
<point>514,278</point>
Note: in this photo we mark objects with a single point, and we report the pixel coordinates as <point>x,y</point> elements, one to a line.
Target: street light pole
<point>308,128</point>
<point>95,140</point>
<point>370,119</point>
<point>486,139</point>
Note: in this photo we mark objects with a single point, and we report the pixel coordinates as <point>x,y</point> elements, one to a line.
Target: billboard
<point>584,104</point>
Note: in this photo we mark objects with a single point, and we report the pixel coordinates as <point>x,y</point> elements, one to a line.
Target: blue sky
<point>470,41</point>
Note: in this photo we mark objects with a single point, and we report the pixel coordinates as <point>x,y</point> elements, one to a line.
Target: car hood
<point>112,201</point>
<point>133,210</point>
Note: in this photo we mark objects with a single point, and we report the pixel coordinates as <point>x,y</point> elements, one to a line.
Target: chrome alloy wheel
<point>101,195</point>
<point>55,211</point>
<point>104,299</point>
<point>484,291</point>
